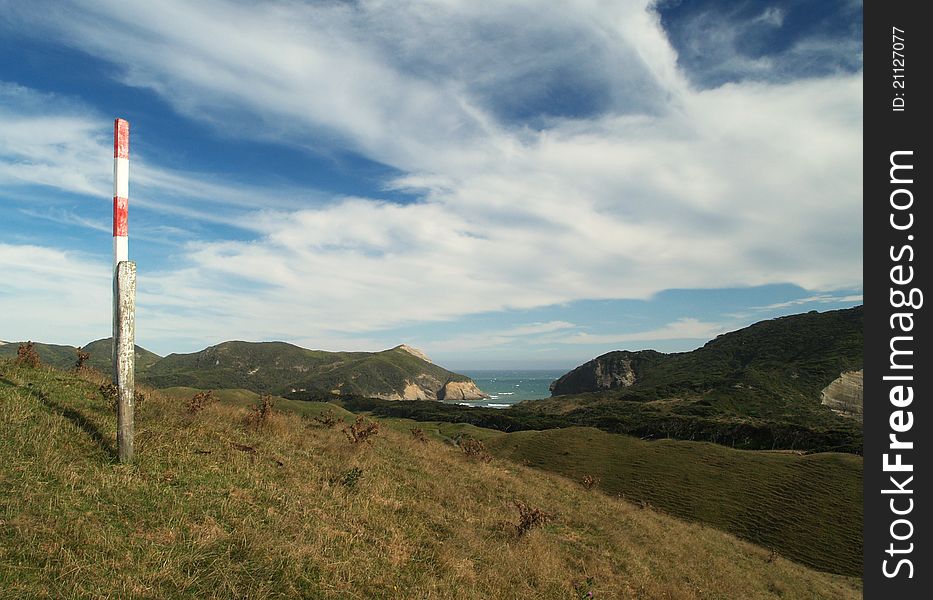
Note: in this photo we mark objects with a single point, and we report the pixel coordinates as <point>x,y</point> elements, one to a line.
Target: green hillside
<point>807,507</point>
<point>65,357</point>
<point>55,355</point>
<point>758,387</point>
<point>214,508</point>
<point>280,368</point>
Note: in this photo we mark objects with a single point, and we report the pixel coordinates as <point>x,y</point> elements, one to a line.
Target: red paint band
<point>121,138</point>
<point>119,216</point>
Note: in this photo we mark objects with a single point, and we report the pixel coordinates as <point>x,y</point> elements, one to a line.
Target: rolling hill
<point>65,357</point>
<point>400,373</point>
<point>279,368</point>
<point>759,387</point>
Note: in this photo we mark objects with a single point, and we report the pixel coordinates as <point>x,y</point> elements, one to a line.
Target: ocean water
<point>506,388</point>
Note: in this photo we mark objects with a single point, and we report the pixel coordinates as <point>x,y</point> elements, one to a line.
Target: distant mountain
<point>768,383</point>
<point>401,373</point>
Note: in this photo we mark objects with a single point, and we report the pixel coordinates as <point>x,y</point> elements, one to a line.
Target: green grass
<point>807,507</point>
<point>246,398</point>
<point>214,509</point>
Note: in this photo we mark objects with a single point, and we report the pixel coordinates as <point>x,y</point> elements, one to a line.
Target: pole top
<point>121,138</point>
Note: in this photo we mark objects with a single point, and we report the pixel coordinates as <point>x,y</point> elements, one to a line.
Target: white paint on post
<point>124,315</point>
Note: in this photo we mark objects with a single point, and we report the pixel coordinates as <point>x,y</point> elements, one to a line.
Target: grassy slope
<point>247,398</point>
<point>198,517</point>
<point>807,507</point>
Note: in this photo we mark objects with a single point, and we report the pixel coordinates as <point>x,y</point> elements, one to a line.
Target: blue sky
<point>514,184</point>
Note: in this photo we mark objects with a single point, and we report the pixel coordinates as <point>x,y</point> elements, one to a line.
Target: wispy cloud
<point>818,299</point>
<point>682,329</point>
<point>656,186</point>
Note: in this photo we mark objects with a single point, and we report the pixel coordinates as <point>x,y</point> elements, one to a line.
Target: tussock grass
<point>213,509</point>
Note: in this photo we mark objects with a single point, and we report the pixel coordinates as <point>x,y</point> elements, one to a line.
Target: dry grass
<point>197,516</point>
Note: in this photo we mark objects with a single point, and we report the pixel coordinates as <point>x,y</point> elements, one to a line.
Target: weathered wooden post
<point>124,295</point>
<point>124,314</point>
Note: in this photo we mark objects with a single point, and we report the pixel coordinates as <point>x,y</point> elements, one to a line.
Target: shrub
<point>418,434</point>
<point>82,358</point>
<point>589,481</point>
<point>328,418</point>
<point>351,477</point>
<point>361,430</point>
<point>530,517</point>
<point>108,392</point>
<point>200,401</point>
<point>475,449</point>
<point>26,356</point>
<point>111,395</point>
<point>260,414</point>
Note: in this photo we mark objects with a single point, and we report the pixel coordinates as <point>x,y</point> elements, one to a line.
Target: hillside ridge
<point>399,373</point>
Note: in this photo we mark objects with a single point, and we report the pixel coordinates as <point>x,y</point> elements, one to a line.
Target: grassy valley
<point>216,508</point>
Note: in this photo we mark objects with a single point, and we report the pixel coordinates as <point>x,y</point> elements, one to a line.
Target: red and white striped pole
<point>121,189</point>
<point>124,296</point>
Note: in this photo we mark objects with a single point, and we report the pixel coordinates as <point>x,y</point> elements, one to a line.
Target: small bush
<point>328,418</point>
<point>260,414</point>
<point>475,449</point>
<point>108,392</point>
<point>83,357</point>
<point>530,517</point>
<point>27,356</point>
<point>361,431</point>
<point>589,481</point>
<point>111,395</point>
<point>351,477</point>
<point>200,401</point>
<point>418,434</point>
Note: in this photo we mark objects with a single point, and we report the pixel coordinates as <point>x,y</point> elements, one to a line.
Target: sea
<point>506,388</point>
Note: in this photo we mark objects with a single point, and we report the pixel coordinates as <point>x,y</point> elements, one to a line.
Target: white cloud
<point>661,186</point>
<point>817,299</point>
<point>53,296</point>
<point>681,329</point>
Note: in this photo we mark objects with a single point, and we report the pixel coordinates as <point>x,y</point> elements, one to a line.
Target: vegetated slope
<point>807,507</point>
<point>56,355</point>
<point>100,351</point>
<point>757,387</point>
<point>279,368</point>
<point>213,509</point>
<point>65,357</point>
<point>247,399</point>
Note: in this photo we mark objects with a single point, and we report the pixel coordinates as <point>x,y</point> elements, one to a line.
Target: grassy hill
<point>216,509</point>
<point>279,368</point>
<point>758,387</point>
<point>65,357</point>
<point>274,368</point>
